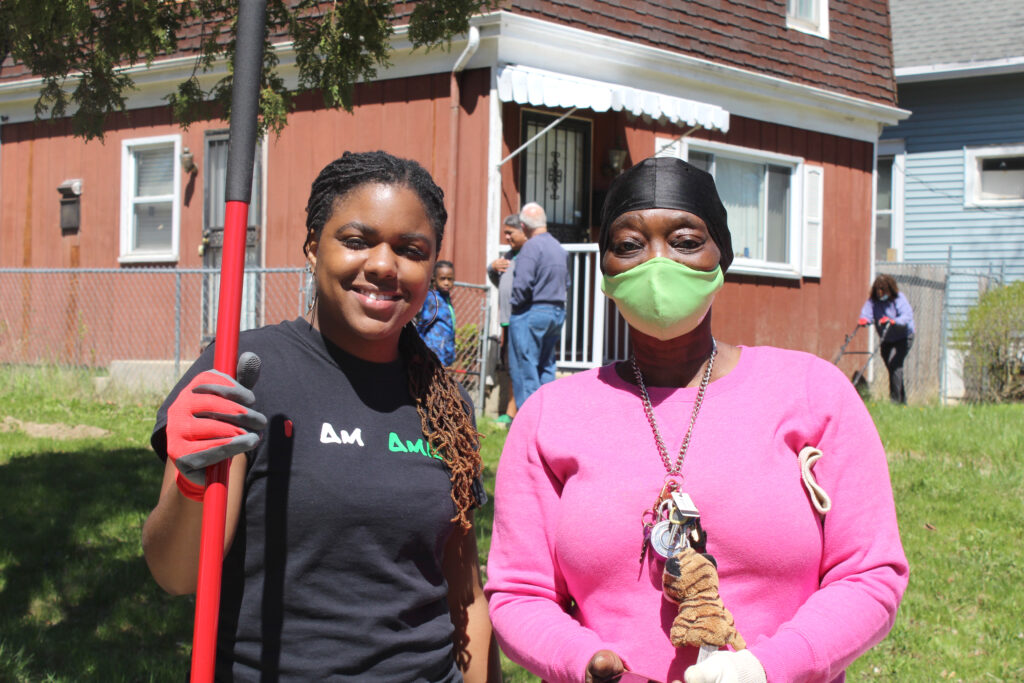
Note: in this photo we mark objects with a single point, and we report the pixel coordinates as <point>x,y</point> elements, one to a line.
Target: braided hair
<point>354,170</point>
<point>444,414</point>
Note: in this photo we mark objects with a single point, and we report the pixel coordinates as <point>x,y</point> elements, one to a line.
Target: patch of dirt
<point>51,431</point>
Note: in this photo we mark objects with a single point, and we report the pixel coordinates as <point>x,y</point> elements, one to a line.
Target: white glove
<point>725,666</point>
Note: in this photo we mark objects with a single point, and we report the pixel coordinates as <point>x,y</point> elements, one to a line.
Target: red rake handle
<point>241,151</point>
<point>211,543</point>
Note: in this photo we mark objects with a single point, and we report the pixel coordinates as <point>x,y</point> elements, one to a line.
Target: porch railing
<point>594,333</point>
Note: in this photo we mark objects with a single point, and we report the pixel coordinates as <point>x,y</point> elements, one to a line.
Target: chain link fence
<point>472,318</point>
<point>140,328</point>
<point>940,297</point>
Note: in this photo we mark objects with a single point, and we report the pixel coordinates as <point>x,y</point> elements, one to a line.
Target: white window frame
<point>972,173</point>
<point>128,149</point>
<point>897,150</point>
<point>801,222</point>
<point>815,28</point>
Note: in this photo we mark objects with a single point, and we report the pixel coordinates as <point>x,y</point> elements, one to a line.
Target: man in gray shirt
<point>501,272</point>
<point>539,286</point>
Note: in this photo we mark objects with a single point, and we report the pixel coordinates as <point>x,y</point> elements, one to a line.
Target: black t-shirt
<point>335,570</point>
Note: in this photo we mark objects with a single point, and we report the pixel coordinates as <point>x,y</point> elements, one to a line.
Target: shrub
<point>467,341</point>
<point>992,339</point>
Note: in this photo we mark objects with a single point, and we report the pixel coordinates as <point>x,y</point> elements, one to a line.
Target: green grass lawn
<point>77,602</point>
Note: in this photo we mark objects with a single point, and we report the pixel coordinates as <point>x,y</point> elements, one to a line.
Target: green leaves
<point>341,46</point>
<point>992,340</point>
<point>437,21</point>
<point>81,49</point>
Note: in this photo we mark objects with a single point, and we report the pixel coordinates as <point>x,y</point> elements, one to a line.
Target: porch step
<point>143,376</point>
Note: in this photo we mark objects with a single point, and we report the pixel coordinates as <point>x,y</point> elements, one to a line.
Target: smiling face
<point>639,236</point>
<point>515,237</point>
<point>372,264</point>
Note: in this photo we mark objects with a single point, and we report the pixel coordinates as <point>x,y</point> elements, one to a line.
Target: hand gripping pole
<point>245,92</point>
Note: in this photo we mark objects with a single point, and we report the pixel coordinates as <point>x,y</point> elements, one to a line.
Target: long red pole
<point>241,150</point>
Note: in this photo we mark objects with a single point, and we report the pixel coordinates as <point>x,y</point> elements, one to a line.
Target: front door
<point>555,173</point>
<point>214,181</point>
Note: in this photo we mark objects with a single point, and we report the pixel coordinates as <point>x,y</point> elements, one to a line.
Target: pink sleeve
<point>525,589</point>
<point>863,568</point>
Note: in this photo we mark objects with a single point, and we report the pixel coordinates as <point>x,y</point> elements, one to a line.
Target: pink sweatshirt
<point>580,466</point>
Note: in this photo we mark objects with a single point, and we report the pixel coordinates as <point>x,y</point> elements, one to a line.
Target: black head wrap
<point>668,183</point>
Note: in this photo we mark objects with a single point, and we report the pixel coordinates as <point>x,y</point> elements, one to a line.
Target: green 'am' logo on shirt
<point>421,446</point>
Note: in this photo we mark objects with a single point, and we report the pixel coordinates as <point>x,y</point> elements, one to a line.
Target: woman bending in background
<point>893,317</point>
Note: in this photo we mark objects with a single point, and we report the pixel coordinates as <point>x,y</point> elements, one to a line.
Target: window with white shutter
<point>150,199</point>
<point>763,193</point>
<point>814,206</point>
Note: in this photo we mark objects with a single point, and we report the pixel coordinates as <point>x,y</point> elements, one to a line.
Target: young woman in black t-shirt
<point>350,552</point>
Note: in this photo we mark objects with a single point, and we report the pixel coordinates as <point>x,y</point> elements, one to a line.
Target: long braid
<point>445,420</point>
<point>443,413</point>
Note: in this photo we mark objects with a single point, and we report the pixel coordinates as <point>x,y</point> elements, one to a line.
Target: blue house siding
<point>967,111</point>
<point>949,116</point>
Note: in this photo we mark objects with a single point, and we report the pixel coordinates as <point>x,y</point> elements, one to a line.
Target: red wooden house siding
<point>806,314</point>
<point>410,117</point>
<point>726,47</point>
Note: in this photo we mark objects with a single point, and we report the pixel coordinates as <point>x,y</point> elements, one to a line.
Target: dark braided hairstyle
<point>444,415</point>
<point>353,170</point>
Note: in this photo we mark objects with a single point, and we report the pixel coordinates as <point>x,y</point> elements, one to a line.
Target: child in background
<point>436,321</point>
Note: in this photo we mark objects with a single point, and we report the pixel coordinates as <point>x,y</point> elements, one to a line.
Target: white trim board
<point>943,72</point>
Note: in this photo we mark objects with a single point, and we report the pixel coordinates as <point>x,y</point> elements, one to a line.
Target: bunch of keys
<point>673,524</point>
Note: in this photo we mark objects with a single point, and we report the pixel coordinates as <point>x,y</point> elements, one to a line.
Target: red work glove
<point>886,320</point>
<point>863,321</point>
<point>210,421</point>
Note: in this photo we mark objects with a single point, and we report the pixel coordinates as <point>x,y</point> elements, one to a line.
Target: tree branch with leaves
<point>83,50</point>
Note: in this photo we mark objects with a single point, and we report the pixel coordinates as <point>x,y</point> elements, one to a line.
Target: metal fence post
<point>484,356</point>
<point>177,325</point>
<point>944,344</point>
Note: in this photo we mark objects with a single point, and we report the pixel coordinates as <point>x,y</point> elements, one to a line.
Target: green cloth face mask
<point>663,298</point>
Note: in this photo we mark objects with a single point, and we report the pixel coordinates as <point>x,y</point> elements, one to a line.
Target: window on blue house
<point>994,176</point>
<point>883,209</point>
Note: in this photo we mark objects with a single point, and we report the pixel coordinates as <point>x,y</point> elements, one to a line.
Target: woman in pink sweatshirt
<point>575,584</point>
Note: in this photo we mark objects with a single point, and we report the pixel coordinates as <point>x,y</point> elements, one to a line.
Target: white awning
<point>537,87</point>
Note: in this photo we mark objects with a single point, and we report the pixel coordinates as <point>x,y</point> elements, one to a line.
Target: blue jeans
<point>533,335</point>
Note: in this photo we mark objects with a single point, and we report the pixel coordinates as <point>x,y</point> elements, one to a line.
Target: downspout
<point>472,44</point>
